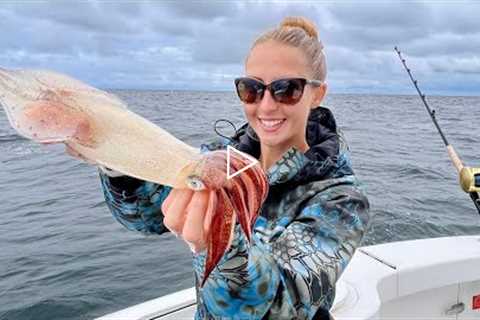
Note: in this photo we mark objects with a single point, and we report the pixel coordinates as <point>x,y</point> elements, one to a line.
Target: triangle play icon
<point>251,162</point>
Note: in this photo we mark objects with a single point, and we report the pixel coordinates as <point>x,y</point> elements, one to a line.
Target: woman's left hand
<point>185,214</point>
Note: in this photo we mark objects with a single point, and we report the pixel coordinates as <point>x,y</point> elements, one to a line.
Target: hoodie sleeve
<point>294,274</point>
<point>135,203</point>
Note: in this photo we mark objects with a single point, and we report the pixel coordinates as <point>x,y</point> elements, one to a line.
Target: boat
<point>435,278</point>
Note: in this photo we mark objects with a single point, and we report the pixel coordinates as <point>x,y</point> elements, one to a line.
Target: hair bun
<point>301,22</point>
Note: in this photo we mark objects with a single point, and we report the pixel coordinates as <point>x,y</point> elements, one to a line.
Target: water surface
<point>64,257</point>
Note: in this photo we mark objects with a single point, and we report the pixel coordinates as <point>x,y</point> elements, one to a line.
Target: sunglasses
<point>286,91</point>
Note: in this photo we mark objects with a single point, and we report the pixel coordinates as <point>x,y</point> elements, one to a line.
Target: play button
<point>251,161</point>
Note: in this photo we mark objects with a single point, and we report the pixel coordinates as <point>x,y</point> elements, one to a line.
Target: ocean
<point>62,256</point>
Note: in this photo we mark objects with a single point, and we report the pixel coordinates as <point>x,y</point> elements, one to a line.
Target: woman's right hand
<point>188,214</point>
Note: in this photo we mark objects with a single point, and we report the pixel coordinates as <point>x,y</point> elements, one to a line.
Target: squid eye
<point>195,183</point>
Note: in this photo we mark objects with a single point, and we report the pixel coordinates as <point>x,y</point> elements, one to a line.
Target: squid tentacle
<point>238,192</point>
<point>238,198</point>
<point>219,239</point>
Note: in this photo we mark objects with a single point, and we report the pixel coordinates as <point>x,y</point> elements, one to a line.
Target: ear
<point>319,93</point>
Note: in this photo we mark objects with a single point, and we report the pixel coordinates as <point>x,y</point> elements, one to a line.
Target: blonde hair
<point>301,33</point>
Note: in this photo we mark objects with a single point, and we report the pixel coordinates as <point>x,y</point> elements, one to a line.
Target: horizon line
<point>466,94</point>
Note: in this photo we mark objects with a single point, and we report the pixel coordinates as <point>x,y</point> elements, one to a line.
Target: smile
<point>271,124</point>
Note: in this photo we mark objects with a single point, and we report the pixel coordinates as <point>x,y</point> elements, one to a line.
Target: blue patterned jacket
<point>313,219</point>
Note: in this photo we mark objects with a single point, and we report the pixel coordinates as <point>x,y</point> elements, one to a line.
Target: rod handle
<point>455,158</point>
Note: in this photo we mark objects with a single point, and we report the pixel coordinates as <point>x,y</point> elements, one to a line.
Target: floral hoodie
<point>313,219</point>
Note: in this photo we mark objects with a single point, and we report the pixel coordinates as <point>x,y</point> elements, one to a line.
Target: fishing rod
<point>469,177</point>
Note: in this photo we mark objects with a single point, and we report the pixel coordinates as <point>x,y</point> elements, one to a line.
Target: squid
<point>48,107</point>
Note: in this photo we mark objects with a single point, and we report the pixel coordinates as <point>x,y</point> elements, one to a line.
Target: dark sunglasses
<point>287,91</point>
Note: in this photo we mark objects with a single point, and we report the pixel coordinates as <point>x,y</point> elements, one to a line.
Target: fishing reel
<point>470,179</point>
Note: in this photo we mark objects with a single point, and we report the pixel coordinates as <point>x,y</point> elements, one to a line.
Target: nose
<point>267,103</point>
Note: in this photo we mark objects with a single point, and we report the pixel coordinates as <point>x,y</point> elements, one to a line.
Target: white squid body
<point>49,107</point>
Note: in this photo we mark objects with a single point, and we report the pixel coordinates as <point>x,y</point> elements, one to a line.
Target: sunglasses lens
<point>288,91</point>
<point>249,90</point>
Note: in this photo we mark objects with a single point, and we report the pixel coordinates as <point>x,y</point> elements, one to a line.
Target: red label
<point>476,302</point>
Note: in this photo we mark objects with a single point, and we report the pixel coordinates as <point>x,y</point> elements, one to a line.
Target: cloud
<point>202,45</point>
<point>469,65</point>
<point>202,10</point>
<point>87,16</point>
<point>445,44</point>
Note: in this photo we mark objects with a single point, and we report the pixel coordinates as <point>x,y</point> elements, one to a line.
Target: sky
<point>201,45</point>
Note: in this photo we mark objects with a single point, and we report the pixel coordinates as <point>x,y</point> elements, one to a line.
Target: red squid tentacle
<point>255,179</point>
<point>251,189</point>
<point>220,236</point>
<point>237,196</point>
<point>253,198</point>
<point>244,196</point>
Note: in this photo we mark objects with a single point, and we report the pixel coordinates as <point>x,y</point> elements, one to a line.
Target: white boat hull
<point>419,279</point>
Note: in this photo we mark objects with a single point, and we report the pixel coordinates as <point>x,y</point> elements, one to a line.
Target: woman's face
<point>279,125</point>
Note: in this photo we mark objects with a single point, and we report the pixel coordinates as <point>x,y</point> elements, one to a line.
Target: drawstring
<point>224,136</point>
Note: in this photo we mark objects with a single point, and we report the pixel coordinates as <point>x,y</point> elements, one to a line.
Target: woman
<point>315,213</point>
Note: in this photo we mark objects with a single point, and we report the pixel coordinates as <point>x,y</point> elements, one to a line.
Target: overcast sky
<point>201,45</point>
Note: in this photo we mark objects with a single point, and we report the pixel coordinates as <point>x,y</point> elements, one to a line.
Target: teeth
<point>270,123</point>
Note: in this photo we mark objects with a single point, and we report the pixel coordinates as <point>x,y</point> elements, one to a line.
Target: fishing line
<point>469,177</point>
